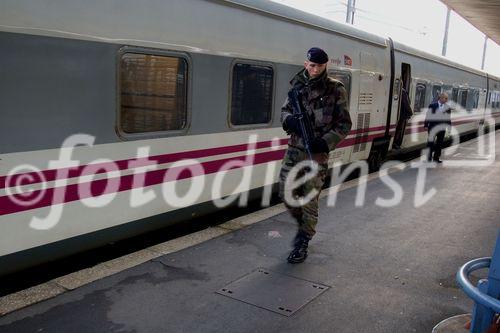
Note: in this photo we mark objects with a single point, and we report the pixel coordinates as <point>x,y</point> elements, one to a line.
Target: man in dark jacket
<point>326,103</point>
<point>437,120</point>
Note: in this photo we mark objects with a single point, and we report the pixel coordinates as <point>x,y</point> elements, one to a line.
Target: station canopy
<point>483,14</point>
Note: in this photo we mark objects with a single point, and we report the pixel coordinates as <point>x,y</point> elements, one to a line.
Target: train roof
<point>298,16</point>
<point>235,28</point>
<point>436,58</point>
<point>30,17</point>
<point>493,77</point>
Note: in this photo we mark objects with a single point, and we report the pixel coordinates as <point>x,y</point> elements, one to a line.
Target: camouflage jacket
<point>325,100</point>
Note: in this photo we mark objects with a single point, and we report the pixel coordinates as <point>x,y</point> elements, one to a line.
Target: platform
<point>383,269</point>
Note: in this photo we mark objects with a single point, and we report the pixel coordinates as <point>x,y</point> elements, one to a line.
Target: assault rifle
<point>301,115</point>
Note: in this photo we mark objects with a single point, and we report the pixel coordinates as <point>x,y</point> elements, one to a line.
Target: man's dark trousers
<point>435,144</point>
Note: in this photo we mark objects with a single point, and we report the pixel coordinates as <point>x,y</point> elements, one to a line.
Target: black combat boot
<point>299,253</point>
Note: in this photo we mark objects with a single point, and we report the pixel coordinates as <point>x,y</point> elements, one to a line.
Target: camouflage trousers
<point>306,215</point>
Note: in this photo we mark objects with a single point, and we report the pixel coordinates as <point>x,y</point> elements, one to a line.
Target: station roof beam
<point>483,14</point>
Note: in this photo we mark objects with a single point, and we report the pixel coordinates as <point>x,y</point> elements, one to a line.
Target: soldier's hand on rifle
<point>319,145</point>
<point>292,125</point>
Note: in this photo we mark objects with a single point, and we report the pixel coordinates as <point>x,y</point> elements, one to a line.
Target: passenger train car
<point>150,86</point>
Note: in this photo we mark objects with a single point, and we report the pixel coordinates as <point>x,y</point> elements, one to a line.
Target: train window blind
<point>420,91</point>
<point>251,94</point>
<point>153,91</point>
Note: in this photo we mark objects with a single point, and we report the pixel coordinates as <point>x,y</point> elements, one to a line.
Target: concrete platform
<point>387,269</point>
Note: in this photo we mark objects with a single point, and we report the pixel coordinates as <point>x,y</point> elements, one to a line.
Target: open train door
<point>404,89</point>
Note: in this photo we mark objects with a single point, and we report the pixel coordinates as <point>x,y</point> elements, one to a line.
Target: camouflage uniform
<point>325,100</point>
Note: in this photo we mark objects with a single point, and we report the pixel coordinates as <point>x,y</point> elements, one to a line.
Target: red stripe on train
<point>124,183</point>
<point>423,129</point>
<point>51,175</point>
<point>30,178</point>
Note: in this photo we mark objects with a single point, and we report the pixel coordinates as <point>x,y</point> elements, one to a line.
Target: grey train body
<point>52,88</point>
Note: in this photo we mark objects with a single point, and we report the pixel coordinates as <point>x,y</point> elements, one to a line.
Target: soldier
<point>325,101</point>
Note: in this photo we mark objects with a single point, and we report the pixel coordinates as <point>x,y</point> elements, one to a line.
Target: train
<point>112,95</point>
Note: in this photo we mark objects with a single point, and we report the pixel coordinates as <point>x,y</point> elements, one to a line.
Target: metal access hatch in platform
<point>273,291</point>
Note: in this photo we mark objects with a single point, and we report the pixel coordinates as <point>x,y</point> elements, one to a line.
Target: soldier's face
<point>314,69</point>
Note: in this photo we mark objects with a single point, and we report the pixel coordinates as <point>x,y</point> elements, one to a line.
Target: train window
<point>252,94</point>
<point>436,90</point>
<point>153,93</point>
<point>473,99</point>
<point>419,97</point>
<point>470,100</point>
<point>448,90</point>
<point>462,96</point>
<point>344,77</point>
<point>454,95</point>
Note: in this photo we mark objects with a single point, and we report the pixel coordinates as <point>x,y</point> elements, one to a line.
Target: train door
<point>403,105</point>
<point>365,116</point>
<point>362,120</point>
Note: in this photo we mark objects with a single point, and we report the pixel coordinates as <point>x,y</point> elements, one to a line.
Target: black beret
<point>317,55</point>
